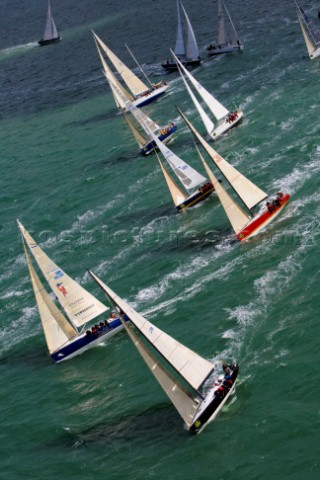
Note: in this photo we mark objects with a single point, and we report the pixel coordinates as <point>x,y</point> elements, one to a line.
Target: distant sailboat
<point>139,93</point>
<point>225,118</point>
<point>146,144</point>
<point>50,32</point>
<point>197,397</point>
<point>64,340</point>
<point>227,40</point>
<point>245,224</point>
<point>311,33</point>
<point>188,177</point>
<point>185,49</point>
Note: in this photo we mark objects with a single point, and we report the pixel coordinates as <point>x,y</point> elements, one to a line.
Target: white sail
<point>204,117</point>
<point>177,195</point>
<point>136,86</point>
<point>141,141</point>
<point>184,402</point>
<point>234,35</point>
<point>192,50</point>
<point>109,74</point>
<point>56,329</point>
<point>238,218</point>
<point>50,31</point>
<point>179,47</point>
<point>79,305</point>
<point>249,193</point>
<point>187,175</point>
<point>221,25</point>
<point>218,110</point>
<point>191,366</point>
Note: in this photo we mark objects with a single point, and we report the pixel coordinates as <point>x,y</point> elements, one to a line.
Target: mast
<point>247,191</point>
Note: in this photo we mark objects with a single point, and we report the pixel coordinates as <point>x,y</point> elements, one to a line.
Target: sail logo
<point>151,329</point>
<point>58,274</point>
<point>62,289</point>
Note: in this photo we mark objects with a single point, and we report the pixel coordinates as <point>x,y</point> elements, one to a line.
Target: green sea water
<point>72,174</point>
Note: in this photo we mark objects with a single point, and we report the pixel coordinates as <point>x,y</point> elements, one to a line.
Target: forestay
<point>249,193</point>
<point>79,305</point>
<point>192,50</point>
<point>191,366</point>
<point>179,47</point>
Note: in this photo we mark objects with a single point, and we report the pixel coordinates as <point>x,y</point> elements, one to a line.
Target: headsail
<point>185,403</point>
<point>141,141</point>
<point>134,83</point>
<point>56,328</point>
<point>218,110</point>
<point>187,175</point>
<point>238,218</point>
<point>177,195</point>
<point>79,305</point>
<point>50,31</point>
<point>249,193</point>
<point>191,366</point>
<point>221,25</point>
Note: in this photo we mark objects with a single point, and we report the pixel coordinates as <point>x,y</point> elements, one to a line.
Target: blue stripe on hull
<point>84,341</point>
<point>149,147</point>
<point>194,200</point>
<point>150,99</point>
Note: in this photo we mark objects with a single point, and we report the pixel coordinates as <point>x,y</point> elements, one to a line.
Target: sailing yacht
<point>197,186</point>
<point>227,39</point>
<point>146,144</point>
<point>186,49</point>
<point>245,224</point>
<point>139,93</point>
<point>311,33</point>
<point>194,388</point>
<point>225,118</point>
<point>50,32</point>
<point>66,338</point>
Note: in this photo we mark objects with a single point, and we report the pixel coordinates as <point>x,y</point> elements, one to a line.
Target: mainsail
<point>192,50</point>
<point>50,31</point>
<point>218,110</point>
<point>191,366</point>
<point>79,305</point>
<point>187,175</point>
<point>57,329</point>
<point>136,86</point>
<point>248,192</point>
<point>221,25</point>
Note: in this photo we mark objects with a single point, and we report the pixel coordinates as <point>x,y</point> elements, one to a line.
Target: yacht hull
<point>171,66</point>
<point>225,126</point>
<point>219,49</point>
<point>195,198</point>
<point>258,223</point>
<point>85,342</point>
<point>165,137</point>
<point>150,96</point>
<point>43,42</point>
